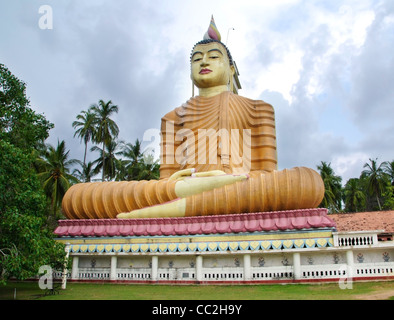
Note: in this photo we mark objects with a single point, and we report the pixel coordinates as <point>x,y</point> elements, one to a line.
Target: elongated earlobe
<point>192,89</point>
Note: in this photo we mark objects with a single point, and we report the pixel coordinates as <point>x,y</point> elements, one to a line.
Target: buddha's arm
<point>296,188</point>
<point>189,183</point>
<point>198,184</point>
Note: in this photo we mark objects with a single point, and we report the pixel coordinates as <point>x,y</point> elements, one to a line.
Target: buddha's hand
<point>175,208</point>
<point>205,181</point>
<point>182,174</point>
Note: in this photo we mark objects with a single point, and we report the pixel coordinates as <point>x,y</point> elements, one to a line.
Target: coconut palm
<point>333,188</point>
<point>133,154</point>
<point>55,176</point>
<point>107,161</point>
<point>388,168</point>
<point>106,130</point>
<point>86,173</point>
<point>354,196</point>
<point>85,128</point>
<point>149,169</point>
<point>376,179</point>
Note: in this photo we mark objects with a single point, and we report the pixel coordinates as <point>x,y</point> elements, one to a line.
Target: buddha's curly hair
<point>205,41</point>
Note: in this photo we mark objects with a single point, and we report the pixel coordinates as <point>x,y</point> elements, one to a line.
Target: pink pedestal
<point>291,220</point>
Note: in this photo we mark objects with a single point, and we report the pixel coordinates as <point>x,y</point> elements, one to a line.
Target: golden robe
<point>226,132</point>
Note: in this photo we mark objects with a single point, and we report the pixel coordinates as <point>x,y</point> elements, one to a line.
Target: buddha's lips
<point>205,71</point>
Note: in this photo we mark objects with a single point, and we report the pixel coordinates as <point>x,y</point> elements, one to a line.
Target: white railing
<point>374,269</point>
<point>272,273</point>
<point>176,273</point>
<point>223,274</point>
<point>355,238</point>
<point>329,271</point>
<point>94,274</point>
<point>133,273</point>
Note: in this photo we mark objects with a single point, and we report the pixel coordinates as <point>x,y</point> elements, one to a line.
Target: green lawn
<point>84,291</point>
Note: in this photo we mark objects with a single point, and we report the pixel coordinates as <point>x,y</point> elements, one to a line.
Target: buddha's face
<point>210,66</point>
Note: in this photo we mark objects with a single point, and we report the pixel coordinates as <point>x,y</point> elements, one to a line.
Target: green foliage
<point>19,124</point>
<point>388,198</point>
<point>373,190</point>
<point>376,179</point>
<point>117,160</point>
<point>85,128</point>
<point>54,174</point>
<point>354,195</point>
<point>106,130</point>
<point>333,188</point>
<point>138,165</point>
<point>25,241</point>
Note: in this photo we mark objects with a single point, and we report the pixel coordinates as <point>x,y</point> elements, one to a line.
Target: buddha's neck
<point>212,91</point>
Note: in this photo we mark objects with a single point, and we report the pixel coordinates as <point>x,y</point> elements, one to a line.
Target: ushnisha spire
<point>212,32</point>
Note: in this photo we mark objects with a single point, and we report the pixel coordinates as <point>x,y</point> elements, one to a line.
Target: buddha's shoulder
<point>258,105</point>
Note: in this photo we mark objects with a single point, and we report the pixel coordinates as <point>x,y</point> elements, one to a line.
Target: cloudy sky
<point>327,67</point>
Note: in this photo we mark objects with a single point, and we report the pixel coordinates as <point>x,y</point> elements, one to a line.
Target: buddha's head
<point>211,64</point>
<point>211,61</point>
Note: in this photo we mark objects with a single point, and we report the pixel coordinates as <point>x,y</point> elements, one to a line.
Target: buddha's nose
<point>204,62</point>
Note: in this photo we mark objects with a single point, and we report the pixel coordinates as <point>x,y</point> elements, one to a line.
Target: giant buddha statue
<point>218,156</point>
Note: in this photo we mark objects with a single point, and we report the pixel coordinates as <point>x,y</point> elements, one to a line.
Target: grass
<point>86,291</point>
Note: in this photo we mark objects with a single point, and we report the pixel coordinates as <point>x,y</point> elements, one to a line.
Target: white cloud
<point>350,165</point>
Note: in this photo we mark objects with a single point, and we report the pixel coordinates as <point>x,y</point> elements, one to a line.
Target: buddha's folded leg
<point>296,188</point>
<point>107,199</point>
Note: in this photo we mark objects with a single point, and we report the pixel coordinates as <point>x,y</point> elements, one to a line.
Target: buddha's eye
<point>197,59</point>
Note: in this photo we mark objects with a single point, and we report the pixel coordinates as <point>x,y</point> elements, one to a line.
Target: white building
<point>279,247</point>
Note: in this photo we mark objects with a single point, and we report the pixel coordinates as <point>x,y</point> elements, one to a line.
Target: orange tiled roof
<point>377,220</point>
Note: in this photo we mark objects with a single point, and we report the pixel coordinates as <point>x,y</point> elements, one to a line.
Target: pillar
<point>65,271</point>
<point>199,273</point>
<point>114,262</point>
<point>155,266</point>
<point>350,263</point>
<point>297,265</point>
<point>247,267</point>
<point>75,268</point>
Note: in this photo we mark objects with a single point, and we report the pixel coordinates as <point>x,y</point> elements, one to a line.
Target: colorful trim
<point>203,246</point>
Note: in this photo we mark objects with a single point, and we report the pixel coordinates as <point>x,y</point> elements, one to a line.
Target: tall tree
<point>354,196</point>
<point>388,168</point>
<point>85,128</point>
<point>333,188</point>
<point>376,179</point>
<point>139,166</point>
<point>56,177</point>
<point>86,173</point>
<point>107,161</point>
<point>133,154</point>
<point>26,241</point>
<point>149,168</point>
<point>106,129</point>
<point>19,124</point>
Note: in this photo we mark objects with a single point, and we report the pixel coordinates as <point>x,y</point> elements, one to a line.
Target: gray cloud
<point>136,53</point>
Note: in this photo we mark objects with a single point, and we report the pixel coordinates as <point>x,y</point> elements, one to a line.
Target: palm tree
<point>149,169</point>
<point>107,161</point>
<point>55,176</point>
<point>133,154</point>
<point>333,188</point>
<point>355,199</point>
<point>85,128</point>
<point>86,173</point>
<point>105,128</point>
<point>388,168</point>
<point>376,179</point>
